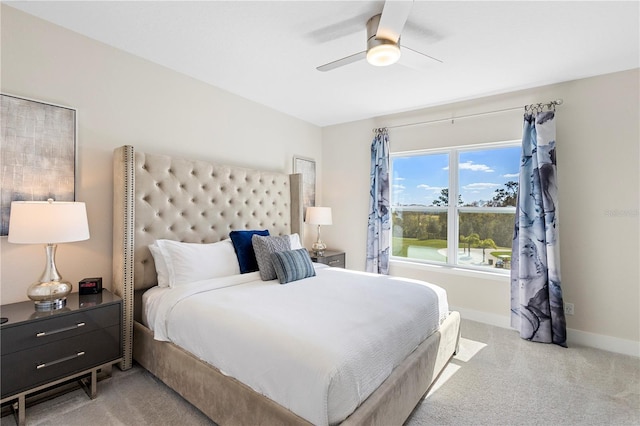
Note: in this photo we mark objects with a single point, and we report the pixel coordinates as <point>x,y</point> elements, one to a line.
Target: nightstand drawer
<point>37,333</point>
<point>335,261</point>
<point>331,258</point>
<point>55,360</point>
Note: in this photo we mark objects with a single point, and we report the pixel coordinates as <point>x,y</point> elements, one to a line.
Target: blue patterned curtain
<point>379,206</point>
<point>537,309</point>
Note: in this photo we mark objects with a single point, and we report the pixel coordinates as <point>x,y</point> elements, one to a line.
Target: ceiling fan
<point>383,40</point>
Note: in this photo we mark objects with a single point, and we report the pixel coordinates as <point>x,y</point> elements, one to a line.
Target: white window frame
<point>453,210</point>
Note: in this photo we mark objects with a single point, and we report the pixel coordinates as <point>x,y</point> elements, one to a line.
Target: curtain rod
<point>550,104</point>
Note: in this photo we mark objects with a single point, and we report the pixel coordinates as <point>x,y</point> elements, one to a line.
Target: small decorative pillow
<point>161,265</point>
<point>189,262</point>
<point>244,249</point>
<point>263,247</point>
<point>292,265</point>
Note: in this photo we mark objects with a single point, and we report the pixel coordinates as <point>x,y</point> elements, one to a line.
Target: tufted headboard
<point>158,196</point>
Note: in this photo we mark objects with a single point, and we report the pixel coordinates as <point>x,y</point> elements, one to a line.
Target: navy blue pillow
<point>292,265</point>
<point>244,249</point>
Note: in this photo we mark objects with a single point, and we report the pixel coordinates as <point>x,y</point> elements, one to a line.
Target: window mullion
<point>452,226</point>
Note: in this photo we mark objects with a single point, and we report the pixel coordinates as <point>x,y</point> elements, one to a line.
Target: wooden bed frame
<point>158,196</point>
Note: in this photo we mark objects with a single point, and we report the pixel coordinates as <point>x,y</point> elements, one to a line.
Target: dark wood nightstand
<point>44,349</point>
<point>331,258</point>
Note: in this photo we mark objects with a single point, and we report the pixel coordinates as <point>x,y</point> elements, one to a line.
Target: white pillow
<point>161,265</point>
<point>294,239</point>
<point>189,262</point>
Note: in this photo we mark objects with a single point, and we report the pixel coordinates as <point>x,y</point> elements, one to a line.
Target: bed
<point>159,197</point>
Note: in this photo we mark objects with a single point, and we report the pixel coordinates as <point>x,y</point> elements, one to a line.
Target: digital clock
<point>90,285</point>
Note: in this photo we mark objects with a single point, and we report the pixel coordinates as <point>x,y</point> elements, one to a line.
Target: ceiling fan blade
<point>342,62</point>
<point>415,52</point>
<point>416,60</point>
<point>394,15</point>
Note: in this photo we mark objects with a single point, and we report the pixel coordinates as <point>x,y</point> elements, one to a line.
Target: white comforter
<point>318,346</point>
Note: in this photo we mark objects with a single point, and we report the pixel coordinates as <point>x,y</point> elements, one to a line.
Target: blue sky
<point>419,179</point>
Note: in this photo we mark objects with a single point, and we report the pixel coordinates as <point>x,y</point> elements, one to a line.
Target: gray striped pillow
<point>263,247</point>
<point>292,265</point>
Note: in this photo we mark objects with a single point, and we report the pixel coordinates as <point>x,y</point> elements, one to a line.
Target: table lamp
<point>319,216</point>
<point>48,222</point>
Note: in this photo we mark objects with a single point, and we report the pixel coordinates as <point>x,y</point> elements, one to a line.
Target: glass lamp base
<point>49,295</point>
<point>50,305</point>
<point>318,248</point>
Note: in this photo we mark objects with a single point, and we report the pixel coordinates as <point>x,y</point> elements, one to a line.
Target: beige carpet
<point>496,379</point>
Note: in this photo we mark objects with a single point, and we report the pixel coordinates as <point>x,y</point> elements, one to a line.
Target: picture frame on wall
<point>38,145</point>
<point>306,167</point>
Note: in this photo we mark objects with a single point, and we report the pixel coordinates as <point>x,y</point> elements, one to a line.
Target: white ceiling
<point>267,51</point>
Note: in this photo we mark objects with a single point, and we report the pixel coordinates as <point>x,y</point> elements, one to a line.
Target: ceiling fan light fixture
<point>383,54</point>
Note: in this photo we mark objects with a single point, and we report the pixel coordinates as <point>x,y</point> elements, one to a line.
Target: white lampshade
<point>319,215</point>
<point>35,222</point>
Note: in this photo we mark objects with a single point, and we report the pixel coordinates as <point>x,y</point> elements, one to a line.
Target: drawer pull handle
<point>58,361</point>
<point>60,330</point>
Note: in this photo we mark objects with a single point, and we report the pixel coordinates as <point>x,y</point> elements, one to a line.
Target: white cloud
<point>429,188</point>
<point>397,187</point>
<point>469,165</point>
<point>398,178</point>
<point>510,175</point>
<point>478,186</point>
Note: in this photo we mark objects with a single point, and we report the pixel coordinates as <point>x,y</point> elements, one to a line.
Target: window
<point>476,230</point>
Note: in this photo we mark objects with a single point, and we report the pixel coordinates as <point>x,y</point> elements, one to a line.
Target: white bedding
<point>318,346</point>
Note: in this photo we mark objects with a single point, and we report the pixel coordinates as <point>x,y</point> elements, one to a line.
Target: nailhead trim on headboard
<point>123,242</point>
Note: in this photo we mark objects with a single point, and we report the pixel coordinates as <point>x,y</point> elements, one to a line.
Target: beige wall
<point>598,158</point>
<point>122,99</point>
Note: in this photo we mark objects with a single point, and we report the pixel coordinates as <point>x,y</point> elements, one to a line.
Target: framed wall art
<point>307,167</point>
<point>38,150</point>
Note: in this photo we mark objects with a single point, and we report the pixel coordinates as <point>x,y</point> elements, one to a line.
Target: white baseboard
<point>607,343</point>
<point>577,337</point>
<point>483,317</point>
